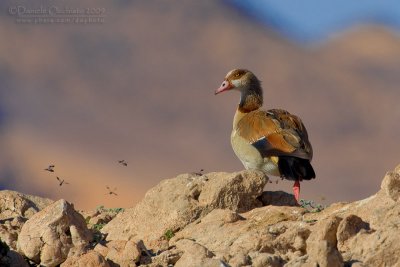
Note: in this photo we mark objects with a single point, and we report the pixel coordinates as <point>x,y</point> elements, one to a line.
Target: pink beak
<point>224,87</point>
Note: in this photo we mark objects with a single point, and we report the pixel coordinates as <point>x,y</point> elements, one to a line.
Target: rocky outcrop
<point>15,209</point>
<point>14,204</point>
<point>52,234</point>
<point>217,219</point>
<point>280,234</point>
<point>174,203</point>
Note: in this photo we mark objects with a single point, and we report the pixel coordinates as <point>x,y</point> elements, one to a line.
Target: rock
<point>299,262</point>
<point>397,169</point>
<point>391,185</point>
<point>322,244</point>
<point>322,254</point>
<point>14,204</point>
<point>121,253</point>
<point>89,259</point>
<point>15,209</point>
<point>102,249</point>
<point>240,259</point>
<point>379,247</point>
<point>233,241</point>
<point>277,198</point>
<point>9,231</point>
<point>349,227</point>
<point>174,203</point>
<point>51,234</point>
<point>202,221</point>
<point>236,191</point>
<point>325,230</point>
<point>266,260</point>
<point>166,258</point>
<point>102,218</point>
<point>231,217</point>
<point>195,255</point>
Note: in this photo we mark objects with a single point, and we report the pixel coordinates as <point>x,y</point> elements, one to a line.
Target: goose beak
<point>225,86</point>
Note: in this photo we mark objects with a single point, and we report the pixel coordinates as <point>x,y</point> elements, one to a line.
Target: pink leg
<point>296,190</point>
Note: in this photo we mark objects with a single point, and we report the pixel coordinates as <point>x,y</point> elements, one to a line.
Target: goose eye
<point>237,74</point>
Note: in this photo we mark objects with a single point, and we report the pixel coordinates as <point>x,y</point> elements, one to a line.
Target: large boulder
<point>51,234</point>
<point>174,203</point>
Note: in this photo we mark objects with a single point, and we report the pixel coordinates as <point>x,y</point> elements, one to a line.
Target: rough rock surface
<point>174,203</point>
<point>89,259</point>
<point>51,234</point>
<point>15,209</point>
<point>195,255</point>
<point>14,204</point>
<point>218,219</point>
<point>120,252</point>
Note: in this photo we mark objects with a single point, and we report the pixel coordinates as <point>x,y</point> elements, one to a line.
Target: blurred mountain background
<point>140,85</point>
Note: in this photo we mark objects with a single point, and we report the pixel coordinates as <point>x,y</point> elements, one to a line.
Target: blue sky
<point>314,20</point>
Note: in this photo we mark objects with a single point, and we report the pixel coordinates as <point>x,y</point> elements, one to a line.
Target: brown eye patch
<point>238,73</point>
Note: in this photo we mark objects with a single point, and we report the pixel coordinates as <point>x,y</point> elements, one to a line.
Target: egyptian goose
<point>273,141</point>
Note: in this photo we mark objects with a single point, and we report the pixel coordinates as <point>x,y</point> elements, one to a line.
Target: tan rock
<point>292,241</point>
<point>102,249</point>
<point>9,231</point>
<point>378,247</point>
<point>322,244</point>
<point>89,259</point>
<point>176,202</point>
<point>300,262</point>
<point>349,227</point>
<point>266,260</point>
<point>122,253</point>
<point>260,230</point>
<point>195,255</point>
<point>364,233</point>
<point>240,259</point>
<point>51,234</point>
<point>397,169</point>
<point>236,191</point>
<point>14,204</point>
<point>15,209</point>
<point>391,185</point>
<point>322,254</point>
<point>325,230</point>
<point>9,235</point>
<point>100,216</point>
<point>165,258</point>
